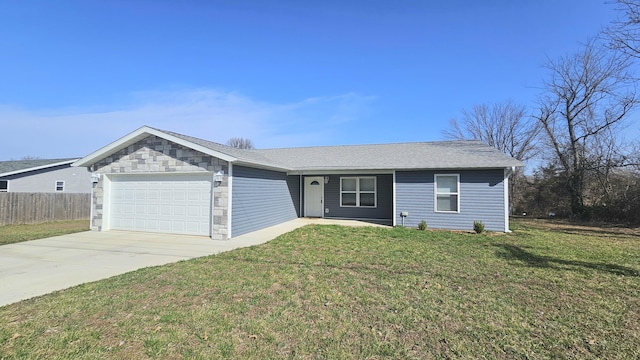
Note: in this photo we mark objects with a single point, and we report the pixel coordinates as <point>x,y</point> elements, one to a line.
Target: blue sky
<point>77,75</point>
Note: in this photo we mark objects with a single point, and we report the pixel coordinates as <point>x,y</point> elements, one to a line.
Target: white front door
<point>313,196</point>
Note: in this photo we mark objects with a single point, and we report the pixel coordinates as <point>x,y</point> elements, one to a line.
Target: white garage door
<point>179,204</point>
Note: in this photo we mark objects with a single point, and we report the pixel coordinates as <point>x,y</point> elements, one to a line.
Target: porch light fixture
<point>218,177</point>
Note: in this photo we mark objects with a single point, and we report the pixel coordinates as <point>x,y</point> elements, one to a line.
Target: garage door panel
<point>195,210</point>
<point>161,203</point>
<point>141,210</point>
<point>179,210</point>
<point>164,225</point>
<point>194,195</point>
<point>179,195</point>
<point>128,194</point>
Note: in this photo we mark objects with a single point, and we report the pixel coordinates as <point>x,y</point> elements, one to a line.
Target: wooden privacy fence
<point>32,208</point>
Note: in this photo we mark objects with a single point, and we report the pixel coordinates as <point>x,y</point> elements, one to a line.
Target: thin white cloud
<point>206,113</point>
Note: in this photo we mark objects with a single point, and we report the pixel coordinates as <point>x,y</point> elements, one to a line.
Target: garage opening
<point>165,203</point>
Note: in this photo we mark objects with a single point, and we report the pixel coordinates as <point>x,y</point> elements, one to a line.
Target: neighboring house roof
<point>22,166</point>
<point>409,156</point>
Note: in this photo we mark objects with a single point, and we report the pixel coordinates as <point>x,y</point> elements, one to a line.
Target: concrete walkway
<point>38,267</point>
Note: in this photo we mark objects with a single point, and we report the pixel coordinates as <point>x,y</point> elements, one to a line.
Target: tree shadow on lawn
<point>623,234</point>
<point>517,253</point>
<point>587,229</point>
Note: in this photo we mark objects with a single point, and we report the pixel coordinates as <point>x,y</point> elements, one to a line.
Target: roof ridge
<point>434,142</point>
<point>379,144</point>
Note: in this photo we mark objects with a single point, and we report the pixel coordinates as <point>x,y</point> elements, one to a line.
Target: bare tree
<point>504,126</point>
<point>587,97</point>
<point>240,143</point>
<point>624,34</point>
<point>507,127</point>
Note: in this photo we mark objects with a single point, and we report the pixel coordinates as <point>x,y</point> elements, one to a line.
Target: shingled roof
<point>18,166</point>
<point>398,156</point>
<point>412,155</point>
<point>415,155</point>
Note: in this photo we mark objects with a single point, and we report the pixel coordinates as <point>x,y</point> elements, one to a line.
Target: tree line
<point>586,168</point>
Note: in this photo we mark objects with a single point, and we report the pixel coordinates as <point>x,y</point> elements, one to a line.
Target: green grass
<point>329,292</point>
<point>16,233</point>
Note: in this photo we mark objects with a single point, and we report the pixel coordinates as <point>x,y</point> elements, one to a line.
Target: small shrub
<point>478,227</point>
<point>422,225</point>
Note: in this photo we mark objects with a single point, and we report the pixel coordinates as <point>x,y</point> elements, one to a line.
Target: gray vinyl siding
<point>262,198</point>
<point>384,194</point>
<point>481,198</point>
<point>76,180</point>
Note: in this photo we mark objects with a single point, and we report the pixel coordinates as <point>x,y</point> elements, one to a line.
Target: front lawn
<point>334,292</point>
<point>16,233</point>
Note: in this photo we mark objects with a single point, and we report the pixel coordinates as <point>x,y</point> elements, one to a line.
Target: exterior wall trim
<point>393,195</point>
<point>106,202</point>
<point>507,173</point>
<point>229,200</point>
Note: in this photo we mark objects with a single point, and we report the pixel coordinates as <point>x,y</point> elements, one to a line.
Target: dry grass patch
<point>336,293</point>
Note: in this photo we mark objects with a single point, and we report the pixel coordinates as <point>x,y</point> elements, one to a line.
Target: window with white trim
<point>447,193</point>
<point>358,191</point>
<point>4,185</point>
<point>59,185</point>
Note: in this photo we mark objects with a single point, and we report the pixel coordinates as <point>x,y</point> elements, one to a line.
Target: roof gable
<point>142,133</point>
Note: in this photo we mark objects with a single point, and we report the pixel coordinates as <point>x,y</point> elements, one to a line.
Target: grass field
<point>17,233</point>
<point>547,290</point>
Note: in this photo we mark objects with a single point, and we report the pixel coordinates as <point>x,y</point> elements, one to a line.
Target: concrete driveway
<point>38,267</point>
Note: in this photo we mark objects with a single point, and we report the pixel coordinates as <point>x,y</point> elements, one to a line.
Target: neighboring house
<point>44,176</point>
<point>161,181</point>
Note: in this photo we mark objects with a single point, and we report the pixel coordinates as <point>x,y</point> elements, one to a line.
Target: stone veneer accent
<point>157,155</point>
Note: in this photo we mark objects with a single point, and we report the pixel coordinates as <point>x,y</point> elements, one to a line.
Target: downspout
<point>300,207</point>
